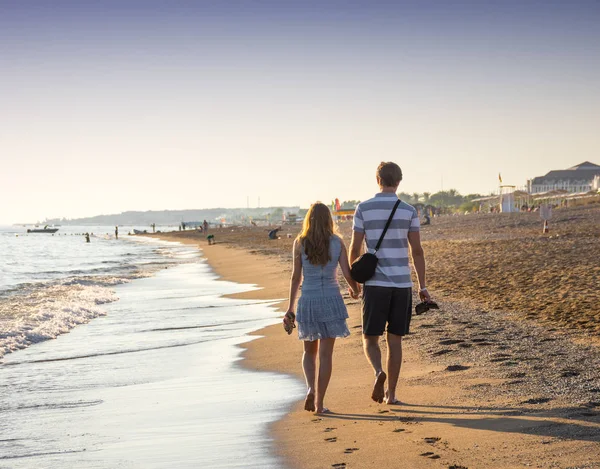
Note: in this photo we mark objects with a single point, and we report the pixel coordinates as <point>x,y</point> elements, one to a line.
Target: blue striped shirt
<point>370,218</point>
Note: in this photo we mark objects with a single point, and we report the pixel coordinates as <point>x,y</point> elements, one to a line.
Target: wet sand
<point>492,380</point>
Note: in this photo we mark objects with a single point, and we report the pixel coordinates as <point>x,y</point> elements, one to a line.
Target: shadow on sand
<point>573,423</point>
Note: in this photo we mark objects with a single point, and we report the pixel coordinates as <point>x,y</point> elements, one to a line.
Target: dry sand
<point>481,388</point>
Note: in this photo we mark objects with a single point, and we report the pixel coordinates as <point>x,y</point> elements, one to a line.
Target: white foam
<point>48,312</point>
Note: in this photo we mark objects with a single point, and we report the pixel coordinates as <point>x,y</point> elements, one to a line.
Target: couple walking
<point>387,297</point>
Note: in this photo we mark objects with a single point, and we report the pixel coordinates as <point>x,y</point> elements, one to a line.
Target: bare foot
<point>309,402</point>
<point>390,400</point>
<point>378,388</point>
<point>323,410</point>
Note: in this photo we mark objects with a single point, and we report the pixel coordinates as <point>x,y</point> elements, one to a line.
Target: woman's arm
<point>345,266</point>
<point>296,276</point>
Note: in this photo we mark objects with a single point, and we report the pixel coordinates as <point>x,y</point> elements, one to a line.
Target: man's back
<point>370,218</point>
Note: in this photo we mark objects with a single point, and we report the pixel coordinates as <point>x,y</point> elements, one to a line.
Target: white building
<point>580,178</point>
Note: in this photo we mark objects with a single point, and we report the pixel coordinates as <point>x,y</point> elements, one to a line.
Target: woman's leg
<point>309,366</point>
<point>325,366</point>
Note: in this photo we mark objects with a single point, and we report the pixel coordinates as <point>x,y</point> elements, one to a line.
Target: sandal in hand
<point>289,322</point>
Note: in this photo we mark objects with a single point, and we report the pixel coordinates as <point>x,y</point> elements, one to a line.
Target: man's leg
<point>376,302</point>
<point>394,363</point>
<point>309,366</point>
<point>373,354</point>
<point>398,326</point>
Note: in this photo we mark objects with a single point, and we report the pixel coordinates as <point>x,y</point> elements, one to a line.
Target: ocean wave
<point>48,312</point>
<point>36,311</point>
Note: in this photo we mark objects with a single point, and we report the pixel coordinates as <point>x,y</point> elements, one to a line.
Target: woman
<point>321,312</point>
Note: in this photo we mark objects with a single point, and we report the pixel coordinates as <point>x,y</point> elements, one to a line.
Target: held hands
<point>354,292</point>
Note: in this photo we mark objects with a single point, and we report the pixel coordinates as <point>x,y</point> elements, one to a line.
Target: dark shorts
<point>386,305</point>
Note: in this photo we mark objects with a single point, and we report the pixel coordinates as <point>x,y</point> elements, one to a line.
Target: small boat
<point>42,230</point>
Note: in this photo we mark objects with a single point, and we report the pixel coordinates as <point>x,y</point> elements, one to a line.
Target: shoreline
<point>458,410</point>
<point>155,383</point>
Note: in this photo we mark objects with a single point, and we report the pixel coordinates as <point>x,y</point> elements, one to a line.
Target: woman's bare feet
<point>378,388</point>
<point>309,402</point>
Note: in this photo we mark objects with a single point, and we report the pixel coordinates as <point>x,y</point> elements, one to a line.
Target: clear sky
<point>114,106</point>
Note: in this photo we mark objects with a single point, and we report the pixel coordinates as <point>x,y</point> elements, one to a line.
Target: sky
<point>110,106</point>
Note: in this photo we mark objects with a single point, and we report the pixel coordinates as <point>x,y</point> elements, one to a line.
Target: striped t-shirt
<point>370,218</point>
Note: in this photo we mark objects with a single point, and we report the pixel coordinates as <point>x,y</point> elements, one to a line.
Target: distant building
<point>580,178</point>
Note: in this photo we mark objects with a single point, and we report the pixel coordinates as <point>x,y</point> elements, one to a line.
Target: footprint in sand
<point>432,439</point>
<point>442,352</point>
<point>454,466</point>
<point>398,430</point>
<point>331,440</point>
<point>450,341</point>
<point>407,419</point>
<point>457,368</point>
<point>382,411</point>
<point>539,400</point>
<point>339,464</point>
<point>350,450</point>
<point>514,382</point>
<point>330,429</point>
<point>430,455</point>
<point>465,345</point>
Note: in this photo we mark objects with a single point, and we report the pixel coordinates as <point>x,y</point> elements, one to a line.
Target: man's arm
<point>418,258</point>
<point>356,245</point>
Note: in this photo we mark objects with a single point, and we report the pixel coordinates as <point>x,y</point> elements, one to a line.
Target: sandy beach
<point>506,374</point>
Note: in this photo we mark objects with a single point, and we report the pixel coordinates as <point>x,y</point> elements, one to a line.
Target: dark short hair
<point>389,174</point>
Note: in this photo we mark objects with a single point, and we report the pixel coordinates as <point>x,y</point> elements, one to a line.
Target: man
<point>273,233</point>
<point>387,296</point>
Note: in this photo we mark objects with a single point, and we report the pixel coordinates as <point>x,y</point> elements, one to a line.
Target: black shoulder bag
<point>364,267</point>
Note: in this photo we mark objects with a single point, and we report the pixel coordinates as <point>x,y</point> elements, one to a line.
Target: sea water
<point>152,380</point>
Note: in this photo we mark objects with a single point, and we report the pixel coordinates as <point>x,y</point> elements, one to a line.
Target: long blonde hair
<point>317,230</point>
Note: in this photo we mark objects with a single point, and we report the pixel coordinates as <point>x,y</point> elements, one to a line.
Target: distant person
<point>87,237</point>
<point>387,296</point>
<point>321,313</point>
<point>211,239</point>
<point>205,226</point>
<point>116,232</point>
<point>273,233</point>
<point>183,226</point>
<point>153,227</point>
<point>427,220</point>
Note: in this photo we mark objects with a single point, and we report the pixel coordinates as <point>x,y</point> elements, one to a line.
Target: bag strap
<point>387,225</point>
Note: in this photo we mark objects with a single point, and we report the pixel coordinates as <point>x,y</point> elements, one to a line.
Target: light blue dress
<point>321,312</point>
